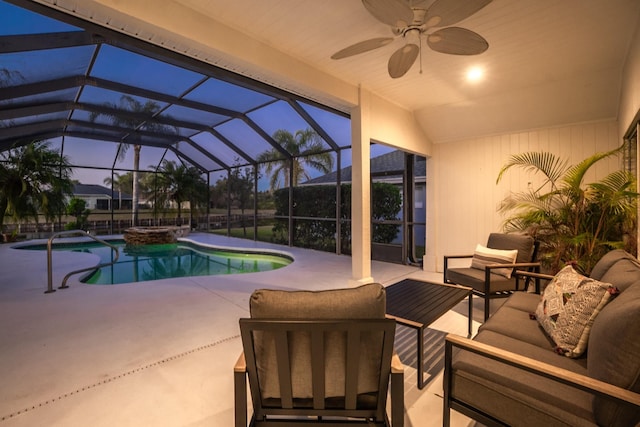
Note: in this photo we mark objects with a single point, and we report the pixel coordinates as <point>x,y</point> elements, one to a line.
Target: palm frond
<point>545,163</point>
<point>574,176</point>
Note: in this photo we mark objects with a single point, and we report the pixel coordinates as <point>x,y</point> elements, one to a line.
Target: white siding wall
<point>462,180</point>
<point>630,96</point>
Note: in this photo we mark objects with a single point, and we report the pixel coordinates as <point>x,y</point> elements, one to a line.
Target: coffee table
<point>417,304</point>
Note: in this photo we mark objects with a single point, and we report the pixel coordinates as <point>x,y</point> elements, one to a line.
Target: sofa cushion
<point>523,301</point>
<point>483,256</point>
<point>513,320</point>
<point>363,302</point>
<point>517,397</point>
<point>617,267</point>
<point>568,307</point>
<point>614,354</point>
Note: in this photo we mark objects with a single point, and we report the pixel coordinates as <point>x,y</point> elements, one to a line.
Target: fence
<point>118,226</point>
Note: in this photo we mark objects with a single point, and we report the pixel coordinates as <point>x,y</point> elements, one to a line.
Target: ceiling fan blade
<point>396,13</point>
<point>362,47</point>
<point>457,41</point>
<point>443,13</point>
<point>402,59</point>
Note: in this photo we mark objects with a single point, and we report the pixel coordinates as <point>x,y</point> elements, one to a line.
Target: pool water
<point>164,261</point>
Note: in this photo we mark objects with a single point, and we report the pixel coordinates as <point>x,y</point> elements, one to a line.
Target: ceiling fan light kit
<point>414,23</point>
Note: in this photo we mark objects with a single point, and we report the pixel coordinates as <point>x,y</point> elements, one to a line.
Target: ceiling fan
<point>414,22</point>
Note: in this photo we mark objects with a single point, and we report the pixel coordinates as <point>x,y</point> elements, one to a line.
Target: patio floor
<point>161,353</point>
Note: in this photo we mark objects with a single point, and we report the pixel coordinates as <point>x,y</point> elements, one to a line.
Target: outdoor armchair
<point>322,357</point>
<point>491,271</point>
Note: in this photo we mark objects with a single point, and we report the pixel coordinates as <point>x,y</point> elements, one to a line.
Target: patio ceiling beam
<point>25,130</point>
<point>35,110</point>
<point>44,41</point>
<point>64,106</point>
<point>314,125</point>
<point>165,120</point>
<point>9,143</point>
<point>38,88</point>
<point>231,145</point>
<point>206,153</point>
<point>180,154</point>
<point>158,96</point>
<point>28,89</point>
<point>253,125</point>
<point>56,107</point>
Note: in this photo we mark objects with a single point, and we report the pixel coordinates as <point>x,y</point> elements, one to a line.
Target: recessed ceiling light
<point>475,74</point>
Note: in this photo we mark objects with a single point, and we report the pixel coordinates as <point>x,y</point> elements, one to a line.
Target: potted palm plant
<point>575,222</point>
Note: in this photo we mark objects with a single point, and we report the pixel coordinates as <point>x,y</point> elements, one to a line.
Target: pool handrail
<point>49,258</point>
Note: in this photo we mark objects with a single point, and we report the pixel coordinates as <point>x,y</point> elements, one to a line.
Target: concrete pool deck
<point>157,353</point>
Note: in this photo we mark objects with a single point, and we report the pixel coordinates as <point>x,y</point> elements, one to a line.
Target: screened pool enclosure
<point>125,111</point>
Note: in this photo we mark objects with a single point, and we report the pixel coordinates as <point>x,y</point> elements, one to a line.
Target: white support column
<point>361,192</point>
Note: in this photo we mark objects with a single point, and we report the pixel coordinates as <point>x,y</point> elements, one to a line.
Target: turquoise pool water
<point>154,262</point>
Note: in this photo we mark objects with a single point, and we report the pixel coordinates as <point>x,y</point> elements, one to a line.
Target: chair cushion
<point>484,256</point>
<point>568,307</point>
<point>614,355</point>
<point>364,302</point>
<point>474,278</point>
<point>522,242</point>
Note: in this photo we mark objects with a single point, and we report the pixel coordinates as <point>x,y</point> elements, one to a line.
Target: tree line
<point>35,180</point>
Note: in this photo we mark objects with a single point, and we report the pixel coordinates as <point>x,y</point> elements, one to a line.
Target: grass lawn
<point>264,232</point>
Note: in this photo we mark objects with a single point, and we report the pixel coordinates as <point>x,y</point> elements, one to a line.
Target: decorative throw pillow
<point>569,305</point>
<point>484,256</point>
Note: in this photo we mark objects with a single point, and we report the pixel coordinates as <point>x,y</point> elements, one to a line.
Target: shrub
<point>315,207</point>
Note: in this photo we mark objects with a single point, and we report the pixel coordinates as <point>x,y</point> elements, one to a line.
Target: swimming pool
<point>164,261</point>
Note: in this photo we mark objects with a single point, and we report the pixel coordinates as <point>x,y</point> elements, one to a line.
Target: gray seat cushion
<point>514,320</point>
<point>617,327</point>
<point>523,301</point>
<point>474,278</point>
<point>517,397</point>
<point>363,302</point>
<point>522,242</point>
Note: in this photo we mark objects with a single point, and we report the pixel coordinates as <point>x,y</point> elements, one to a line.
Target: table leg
<point>420,366</point>
<point>470,313</point>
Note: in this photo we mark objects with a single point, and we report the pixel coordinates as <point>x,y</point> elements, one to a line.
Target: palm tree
<point>120,183</point>
<point>180,184</point>
<point>574,222</point>
<point>33,179</point>
<point>307,150</point>
<point>148,109</point>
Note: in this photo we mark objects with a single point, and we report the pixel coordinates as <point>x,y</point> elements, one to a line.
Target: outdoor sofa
<point>513,373</point>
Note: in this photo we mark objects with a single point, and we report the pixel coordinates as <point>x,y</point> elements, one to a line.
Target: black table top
<point>418,303</point>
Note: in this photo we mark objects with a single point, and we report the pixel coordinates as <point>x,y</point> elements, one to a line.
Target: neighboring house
<point>384,168</point>
<point>389,168</point>
<point>100,197</point>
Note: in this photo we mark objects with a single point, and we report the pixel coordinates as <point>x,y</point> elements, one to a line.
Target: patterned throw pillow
<point>568,307</point>
<point>484,256</point>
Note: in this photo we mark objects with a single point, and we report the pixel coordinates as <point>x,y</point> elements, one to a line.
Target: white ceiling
<point>549,62</point>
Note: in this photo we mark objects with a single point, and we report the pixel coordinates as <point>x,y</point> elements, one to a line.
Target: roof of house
<point>388,165</point>
<point>97,190</point>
